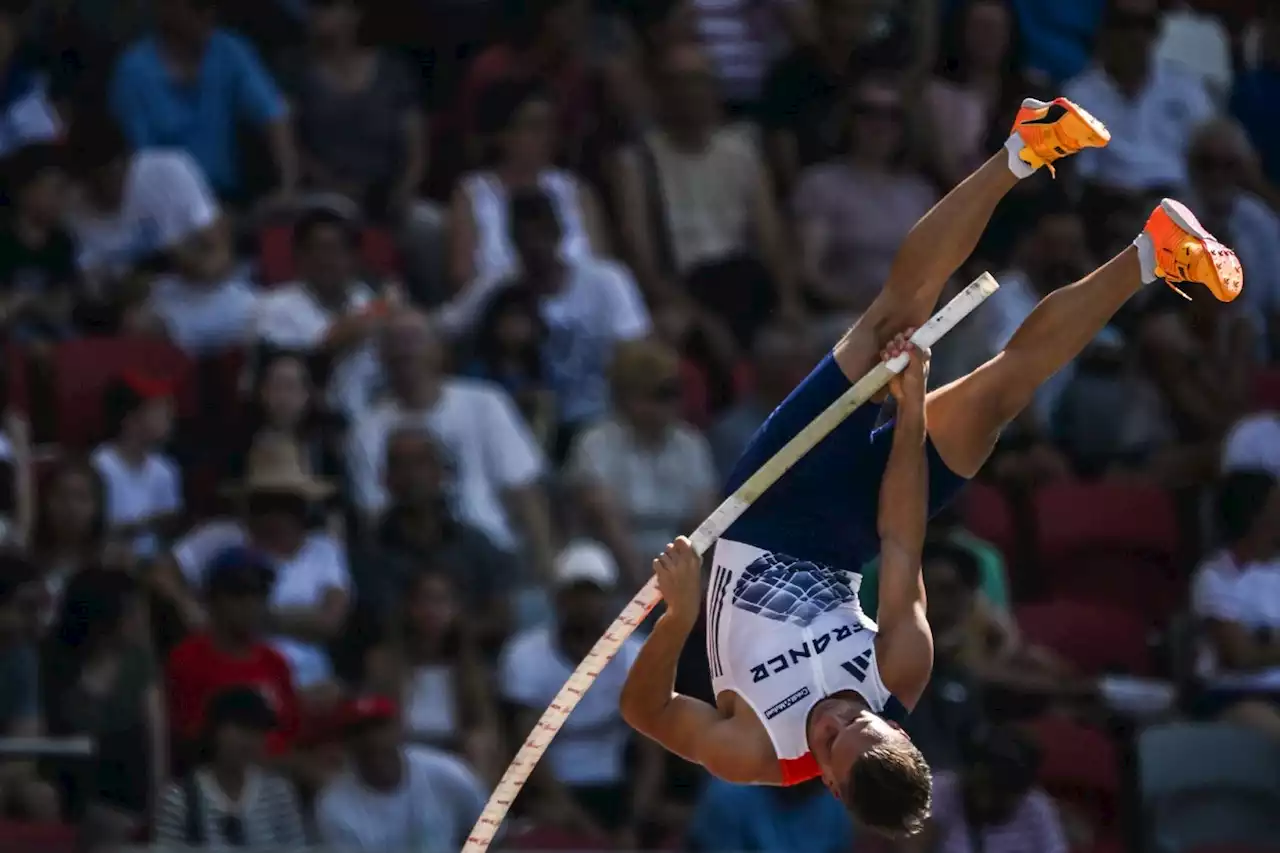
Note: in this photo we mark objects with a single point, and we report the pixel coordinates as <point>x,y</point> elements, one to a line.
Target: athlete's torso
<point>782,634</point>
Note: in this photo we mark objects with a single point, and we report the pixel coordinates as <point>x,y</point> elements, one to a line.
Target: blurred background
<point>360,355</point>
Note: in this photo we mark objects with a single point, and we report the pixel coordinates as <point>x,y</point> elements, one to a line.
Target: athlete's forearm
<point>650,684</point>
<point>904,489</point>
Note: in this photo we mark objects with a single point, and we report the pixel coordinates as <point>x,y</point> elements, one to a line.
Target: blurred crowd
<point>360,355</point>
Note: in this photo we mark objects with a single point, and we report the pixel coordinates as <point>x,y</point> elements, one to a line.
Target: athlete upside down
<point>803,679</point>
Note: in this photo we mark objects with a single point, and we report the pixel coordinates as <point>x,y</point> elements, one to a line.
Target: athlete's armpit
<point>735,749</point>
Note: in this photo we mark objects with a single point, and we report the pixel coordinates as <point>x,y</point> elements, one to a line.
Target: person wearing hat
<point>37,256</point>
<point>642,476</point>
<point>308,603</point>
<point>586,786</point>
<point>143,485</point>
<point>390,796</point>
<point>231,801</point>
<point>231,651</point>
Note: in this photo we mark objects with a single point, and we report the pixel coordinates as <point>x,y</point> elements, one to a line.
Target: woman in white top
<point>430,661</point>
<point>518,119</point>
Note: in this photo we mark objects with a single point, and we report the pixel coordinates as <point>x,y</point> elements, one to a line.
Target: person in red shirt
<point>230,653</point>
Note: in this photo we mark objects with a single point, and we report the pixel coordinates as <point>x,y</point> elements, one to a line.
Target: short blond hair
<point>642,365</point>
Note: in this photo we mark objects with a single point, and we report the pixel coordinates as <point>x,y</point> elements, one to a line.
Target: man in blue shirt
<point>189,84</point>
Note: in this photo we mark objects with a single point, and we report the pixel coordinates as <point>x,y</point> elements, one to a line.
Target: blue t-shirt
<point>200,116</point>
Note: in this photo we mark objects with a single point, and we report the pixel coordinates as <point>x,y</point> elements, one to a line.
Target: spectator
<point>133,205</point>
<point>854,213</point>
<point>1256,89</point>
<point>360,126</point>
<point>70,530</point>
<point>1235,593</point>
<point>543,41</point>
<point>518,119</point>
<point>803,104</point>
<point>310,597</point>
<point>231,652</point>
<point>588,307</point>
<point>742,37</point>
<point>205,304</point>
<point>993,803</point>
<point>328,311</point>
<point>27,114</point>
<point>418,532</point>
<point>800,819</point>
<point>976,83</point>
<point>99,680</point>
<point>508,349</point>
<point>1253,443</point>
<point>231,801</point>
<point>1058,37</point>
<point>1151,109</point>
<point>493,460</point>
<point>391,796</point>
<point>430,659</point>
<point>1220,159</point>
<point>282,404</point>
<point>1197,39</point>
<point>641,476</point>
<point>143,485</point>
<point>37,256</point>
<point>697,205</point>
<point>582,784</point>
<point>189,84</point>
<point>780,358</point>
<point>21,789</point>
<point>17,469</point>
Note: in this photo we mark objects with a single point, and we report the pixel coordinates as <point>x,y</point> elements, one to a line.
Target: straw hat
<point>276,464</point>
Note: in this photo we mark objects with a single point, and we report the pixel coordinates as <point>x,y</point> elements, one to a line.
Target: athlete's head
<point>871,766</point>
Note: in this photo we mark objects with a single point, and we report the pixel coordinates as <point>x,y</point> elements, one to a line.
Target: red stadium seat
<point>551,838</point>
<point>83,368</point>
<point>1109,543</point>
<point>1079,765</point>
<point>1266,389</point>
<point>378,252</point>
<point>987,515</point>
<point>18,837</point>
<point>1095,638</point>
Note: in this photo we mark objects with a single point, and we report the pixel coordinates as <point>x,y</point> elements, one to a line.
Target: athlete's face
<point>840,732</point>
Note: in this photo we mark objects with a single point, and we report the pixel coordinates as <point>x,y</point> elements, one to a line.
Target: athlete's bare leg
<point>945,237</point>
<point>966,416</point>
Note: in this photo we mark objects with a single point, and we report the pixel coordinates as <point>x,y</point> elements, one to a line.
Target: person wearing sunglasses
<point>231,801</point>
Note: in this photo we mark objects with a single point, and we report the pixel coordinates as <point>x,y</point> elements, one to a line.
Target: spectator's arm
<point>1180,377</point>
<point>771,238</point>
<point>515,463</point>
<point>784,157</point>
<point>532,513</point>
<point>165,577</point>
<point>320,623</point>
<point>604,516</point>
<point>648,787</point>
<point>593,220</point>
<point>262,103</point>
<point>1239,649</point>
<point>24,486</point>
<point>462,239</point>
<point>171,817</point>
<point>366,444</point>
<point>637,230</point>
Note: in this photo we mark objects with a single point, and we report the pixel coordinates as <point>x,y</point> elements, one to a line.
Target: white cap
<point>587,561</point>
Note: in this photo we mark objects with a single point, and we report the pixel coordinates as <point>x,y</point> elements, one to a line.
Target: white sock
<point>1020,168</point>
<point>1146,257</point>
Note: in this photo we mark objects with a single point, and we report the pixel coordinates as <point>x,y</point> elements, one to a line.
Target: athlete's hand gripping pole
<point>707,533</point>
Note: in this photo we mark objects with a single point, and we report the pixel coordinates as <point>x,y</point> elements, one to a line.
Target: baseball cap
<point>364,711</point>
<point>238,571</point>
<point>586,562</point>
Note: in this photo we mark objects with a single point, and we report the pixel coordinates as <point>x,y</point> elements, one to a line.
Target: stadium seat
<point>1266,389</point>
<point>83,368</point>
<point>987,515</point>
<point>1208,784</point>
<point>19,837</point>
<point>1095,638</point>
<point>1109,543</point>
<point>1079,765</point>
<point>378,252</point>
<point>551,838</point>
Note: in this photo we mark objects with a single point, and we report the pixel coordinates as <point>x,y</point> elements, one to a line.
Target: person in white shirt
<point>1253,443</point>
<point>143,485</point>
<point>135,204</point>
<point>1236,595</point>
<point>310,598</point>
<point>586,787</point>
<point>1152,108</point>
<point>392,797</point>
<point>493,461</point>
<point>327,310</point>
